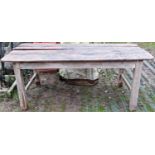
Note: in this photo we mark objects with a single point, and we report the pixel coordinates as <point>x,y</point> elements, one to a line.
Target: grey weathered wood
<point>45,48</point>
<point>87,54</point>
<point>3,90</point>
<point>29,45</point>
<point>68,46</point>
<point>126,82</point>
<point>26,87</point>
<point>149,66</point>
<point>12,87</point>
<point>30,81</point>
<point>81,65</point>
<point>20,86</point>
<point>135,85</point>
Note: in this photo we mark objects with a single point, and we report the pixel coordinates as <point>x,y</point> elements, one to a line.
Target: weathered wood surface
<point>46,48</point>
<point>20,87</point>
<point>82,65</point>
<point>79,54</point>
<point>3,90</point>
<point>135,85</point>
<point>126,82</point>
<point>30,81</point>
<point>30,45</point>
<point>12,87</point>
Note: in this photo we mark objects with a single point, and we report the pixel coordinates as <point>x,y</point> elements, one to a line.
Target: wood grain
<point>82,65</point>
<point>79,54</point>
<point>29,45</point>
<point>135,85</point>
<point>20,87</point>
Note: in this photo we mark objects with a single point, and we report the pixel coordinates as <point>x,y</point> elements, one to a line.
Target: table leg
<point>135,85</point>
<point>20,87</point>
<point>120,78</point>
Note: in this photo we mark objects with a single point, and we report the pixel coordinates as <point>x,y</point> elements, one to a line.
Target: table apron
<point>49,65</point>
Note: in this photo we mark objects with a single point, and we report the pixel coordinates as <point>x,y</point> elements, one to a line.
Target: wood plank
<point>3,90</point>
<point>20,86</point>
<point>150,67</point>
<point>87,54</point>
<point>12,87</point>
<point>126,82</point>
<point>135,85</point>
<point>77,65</point>
<point>45,48</point>
<point>64,48</point>
<point>28,45</point>
<point>30,81</point>
<point>68,46</point>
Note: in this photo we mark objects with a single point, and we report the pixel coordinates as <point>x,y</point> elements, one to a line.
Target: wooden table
<point>48,56</point>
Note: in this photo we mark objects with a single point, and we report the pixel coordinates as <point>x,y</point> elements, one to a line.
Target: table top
<point>29,52</point>
<point>28,46</point>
